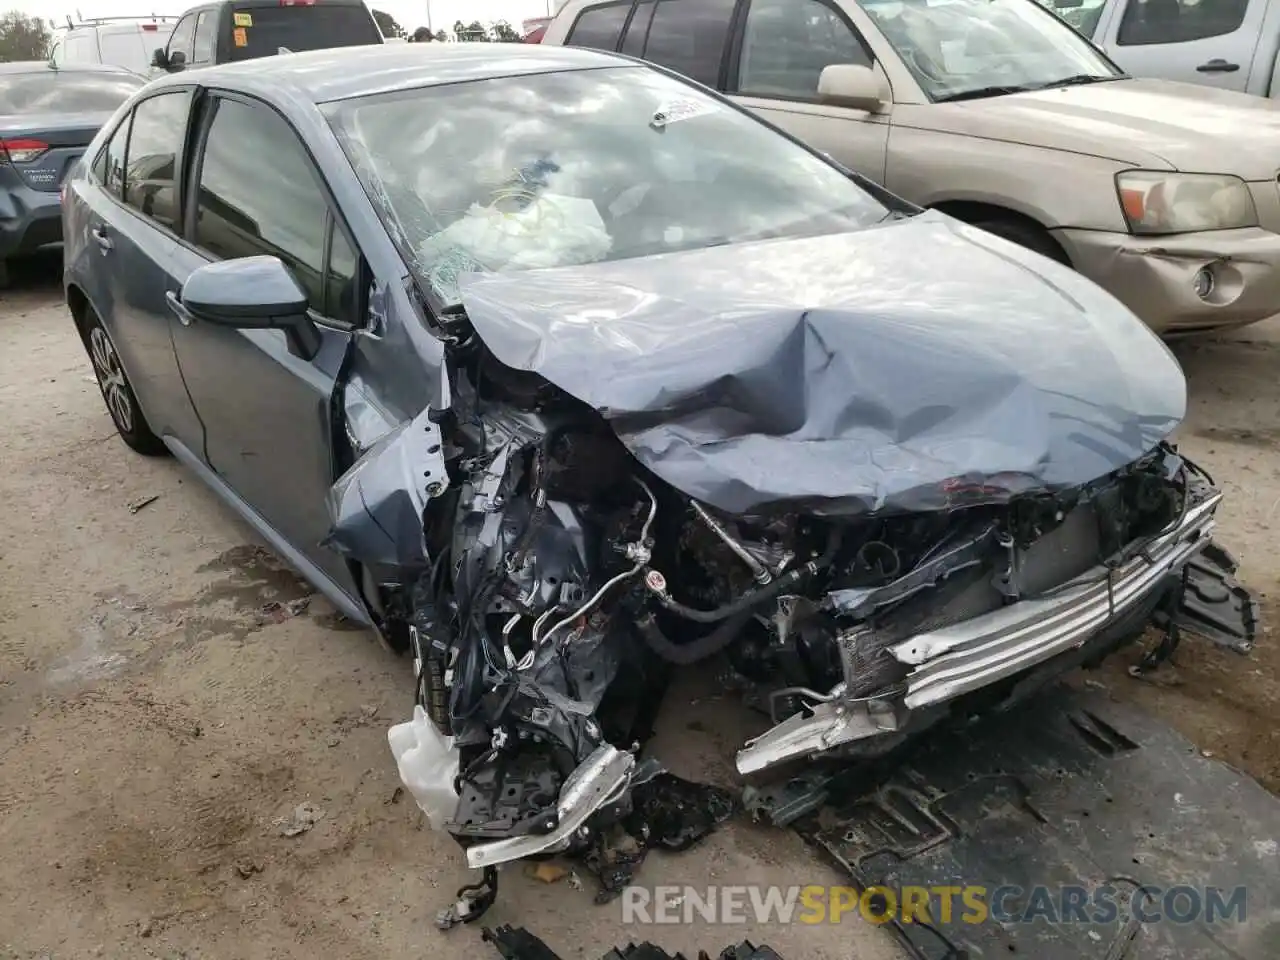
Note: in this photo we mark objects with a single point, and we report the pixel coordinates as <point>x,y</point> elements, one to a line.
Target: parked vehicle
<point>1232,44</point>
<point>997,113</point>
<point>115,41</point>
<point>233,30</point>
<point>565,373</point>
<point>48,116</point>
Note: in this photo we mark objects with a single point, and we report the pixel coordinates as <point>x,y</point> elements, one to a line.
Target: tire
<point>117,392</point>
<point>1029,235</point>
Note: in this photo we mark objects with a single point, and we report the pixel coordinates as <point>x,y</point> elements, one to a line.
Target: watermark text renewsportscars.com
<point>946,904</point>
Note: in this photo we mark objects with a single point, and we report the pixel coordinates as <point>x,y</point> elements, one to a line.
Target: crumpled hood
<point>903,367</point>
<point>1135,121</point>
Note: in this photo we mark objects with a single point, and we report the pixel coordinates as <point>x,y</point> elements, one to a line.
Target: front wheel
<point>121,402</point>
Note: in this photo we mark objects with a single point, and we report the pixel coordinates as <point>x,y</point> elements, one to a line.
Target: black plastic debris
<point>668,813</point>
<point>1215,605</point>
<point>1074,792</point>
<point>517,943</point>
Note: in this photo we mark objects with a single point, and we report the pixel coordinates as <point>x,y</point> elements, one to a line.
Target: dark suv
<point>247,29</point>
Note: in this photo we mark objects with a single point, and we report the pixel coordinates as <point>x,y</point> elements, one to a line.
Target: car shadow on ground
<point>41,273</point>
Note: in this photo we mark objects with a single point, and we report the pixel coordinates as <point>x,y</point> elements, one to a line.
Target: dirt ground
<point>169,695</point>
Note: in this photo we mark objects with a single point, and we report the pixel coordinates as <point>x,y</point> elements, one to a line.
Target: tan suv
<point>998,113</point>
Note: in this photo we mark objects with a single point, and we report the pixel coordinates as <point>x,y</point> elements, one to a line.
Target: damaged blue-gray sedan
<point>565,374</point>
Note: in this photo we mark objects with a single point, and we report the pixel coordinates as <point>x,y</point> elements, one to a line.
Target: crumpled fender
<point>376,507</point>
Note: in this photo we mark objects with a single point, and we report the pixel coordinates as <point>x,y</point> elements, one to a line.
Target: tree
<point>387,24</point>
<point>503,32</point>
<point>441,35</point>
<point>23,37</point>
<point>474,32</point>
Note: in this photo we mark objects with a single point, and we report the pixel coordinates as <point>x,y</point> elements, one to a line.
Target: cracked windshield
<point>968,49</point>
<point>580,167</point>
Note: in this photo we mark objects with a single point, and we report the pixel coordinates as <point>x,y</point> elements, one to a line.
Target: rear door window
<point>599,28</point>
<point>155,150</point>
<point>638,29</point>
<point>1171,21</point>
<point>266,31</point>
<point>689,36</point>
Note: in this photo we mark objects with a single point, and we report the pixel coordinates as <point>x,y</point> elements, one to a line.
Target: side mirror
<point>853,85</point>
<point>177,60</point>
<point>250,293</point>
<point>159,60</point>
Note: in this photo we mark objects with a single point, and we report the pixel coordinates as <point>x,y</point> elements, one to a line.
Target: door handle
<point>175,304</point>
<point>1218,65</point>
<point>100,237</point>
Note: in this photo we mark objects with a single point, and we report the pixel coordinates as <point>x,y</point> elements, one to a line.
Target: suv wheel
<point>117,392</point>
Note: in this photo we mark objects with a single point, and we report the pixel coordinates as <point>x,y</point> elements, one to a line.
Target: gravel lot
<point>169,693</point>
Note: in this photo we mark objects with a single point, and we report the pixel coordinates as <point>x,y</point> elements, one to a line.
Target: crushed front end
<point>561,583</point>
<point>871,518</point>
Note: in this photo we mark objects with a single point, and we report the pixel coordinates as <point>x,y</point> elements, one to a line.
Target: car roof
<point>322,76</point>
<point>39,66</point>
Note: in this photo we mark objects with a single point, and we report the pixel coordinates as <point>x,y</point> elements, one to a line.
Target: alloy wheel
<point>115,390</point>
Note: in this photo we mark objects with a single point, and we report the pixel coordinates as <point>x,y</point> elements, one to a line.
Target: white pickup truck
<point>1232,44</point>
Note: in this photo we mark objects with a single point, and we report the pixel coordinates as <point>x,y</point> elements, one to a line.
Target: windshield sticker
<point>679,110</point>
<point>242,19</point>
<point>240,37</point>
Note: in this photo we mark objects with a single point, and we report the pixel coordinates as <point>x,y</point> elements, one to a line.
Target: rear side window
<point>689,36</point>
<point>599,28</point>
<point>155,145</point>
<point>1177,21</point>
<point>265,31</point>
<point>126,48</point>
<point>69,92</point>
<point>206,37</point>
<point>259,195</point>
<point>81,47</point>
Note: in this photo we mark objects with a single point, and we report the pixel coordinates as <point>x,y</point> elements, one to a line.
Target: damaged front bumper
<point>947,663</point>
<point>601,778</point>
<point>1184,284</point>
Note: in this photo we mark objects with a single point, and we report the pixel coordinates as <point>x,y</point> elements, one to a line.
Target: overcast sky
<point>409,13</point>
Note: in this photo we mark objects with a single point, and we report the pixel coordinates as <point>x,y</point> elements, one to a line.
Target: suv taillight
<point>22,151</point>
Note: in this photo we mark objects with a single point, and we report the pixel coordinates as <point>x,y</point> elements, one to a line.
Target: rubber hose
<point>685,654</point>
<point>756,597</point>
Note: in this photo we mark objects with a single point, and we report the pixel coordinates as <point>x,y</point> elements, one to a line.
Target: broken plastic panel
<point>428,765</point>
<point>377,506</point>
